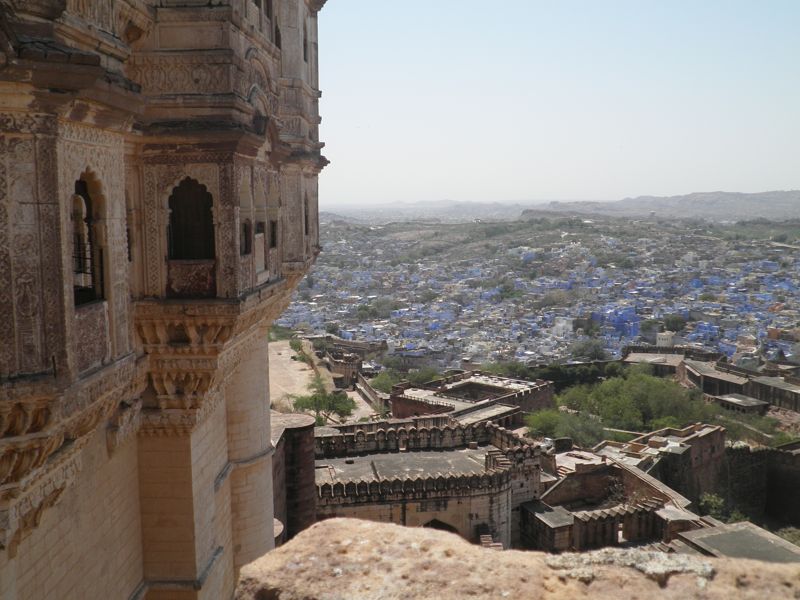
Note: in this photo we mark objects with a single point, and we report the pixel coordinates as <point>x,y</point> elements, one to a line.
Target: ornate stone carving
<point>191,279</point>
<point>21,456</point>
<point>246,276</point>
<point>119,380</point>
<point>91,347</point>
<point>124,424</point>
<point>162,174</point>
<point>67,372</point>
<point>38,426</point>
<point>7,355</point>
<point>99,14</point>
<point>20,515</point>
<point>175,421</point>
<point>254,81</point>
<point>181,73</point>
<point>27,122</point>
<point>24,417</point>
<point>24,248</point>
<point>97,156</point>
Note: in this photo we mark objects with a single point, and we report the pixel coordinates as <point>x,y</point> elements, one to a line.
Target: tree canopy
<point>584,430</point>
<point>384,381</point>
<point>591,349</point>
<point>323,403</point>
<point>637,402</point>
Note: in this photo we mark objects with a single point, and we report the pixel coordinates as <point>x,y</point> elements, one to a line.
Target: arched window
<point>246,238</point>
<point>87,257</point>
<point>191,224</point>
<point>305,42</point>
<point>306,223</point>
<point>277,36</point>
<point>273,234</point>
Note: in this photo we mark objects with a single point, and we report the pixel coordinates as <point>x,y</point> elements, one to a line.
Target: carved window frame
<point>88,236</point>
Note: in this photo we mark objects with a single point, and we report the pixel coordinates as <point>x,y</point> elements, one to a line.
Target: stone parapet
<point>382,437</point>
<point>361,560</point>
<point>440,485</point>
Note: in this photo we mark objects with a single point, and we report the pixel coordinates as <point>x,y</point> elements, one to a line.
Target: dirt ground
<point>789,420</point>
<point>286,376</point>
<point>363,410</point>
<point>289,377</point>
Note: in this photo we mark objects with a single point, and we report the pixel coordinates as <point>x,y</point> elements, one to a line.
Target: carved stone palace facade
<point>158,204</point>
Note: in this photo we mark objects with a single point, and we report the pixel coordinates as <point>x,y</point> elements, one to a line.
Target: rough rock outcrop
<point>355,560</point>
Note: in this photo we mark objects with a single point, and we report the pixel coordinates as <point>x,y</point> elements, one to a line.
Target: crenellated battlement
<point>419,435</point>
<point>433,486</point>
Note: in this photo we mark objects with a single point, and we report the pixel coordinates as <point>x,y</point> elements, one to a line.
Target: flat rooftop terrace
<point>708,369</point>
<point>484,414</point>
<point>506,383</point>
<point>742,540</point>
<point>402,465</point>
<point>430,396</point>
<point>743,401</point>
<point>777,382</point>
<point>672,360</point>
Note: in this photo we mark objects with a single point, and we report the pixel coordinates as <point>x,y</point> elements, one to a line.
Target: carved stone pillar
<point>250,453</point>
<point>167,504</point>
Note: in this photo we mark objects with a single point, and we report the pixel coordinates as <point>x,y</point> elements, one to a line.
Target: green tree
<point>589,350</point>
<point>384,381</point>
<point>622,412</point>
<point>323,403</point>
<point>320,344</point>
<point>582,429</point>
<point>513,369</point>
<point>614,369</point>
<point>278,333</point>
<point>713,505</point>
<point>638,401</point>
<point>575,397</point>
<point>649,325</point>
<point>674,322</point>
<point>423,375</point>
<point>544,422</point>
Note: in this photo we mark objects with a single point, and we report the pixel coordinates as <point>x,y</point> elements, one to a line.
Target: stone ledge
<point>362,560</point>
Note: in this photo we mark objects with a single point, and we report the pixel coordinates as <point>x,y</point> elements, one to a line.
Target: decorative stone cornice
<point>35,426</point>
<point>176,421</point>
<point>21,514</point>
<point>315,5</point>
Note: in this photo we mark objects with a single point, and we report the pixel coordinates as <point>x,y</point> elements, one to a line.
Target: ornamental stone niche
<point>158,204</point>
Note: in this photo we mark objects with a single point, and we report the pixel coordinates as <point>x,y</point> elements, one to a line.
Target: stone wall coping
<point>360,560</point>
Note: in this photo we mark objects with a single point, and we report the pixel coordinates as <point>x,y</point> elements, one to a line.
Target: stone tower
<point>158,204</point>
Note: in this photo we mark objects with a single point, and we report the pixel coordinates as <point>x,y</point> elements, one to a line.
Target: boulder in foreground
<point>362,560</point>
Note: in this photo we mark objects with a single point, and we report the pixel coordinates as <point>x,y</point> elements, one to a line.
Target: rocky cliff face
<point>355,560</point>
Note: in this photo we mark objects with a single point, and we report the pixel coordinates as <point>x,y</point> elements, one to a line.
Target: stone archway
<point>441,526</point>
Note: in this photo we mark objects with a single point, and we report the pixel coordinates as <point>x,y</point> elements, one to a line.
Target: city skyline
<point>584,102</point>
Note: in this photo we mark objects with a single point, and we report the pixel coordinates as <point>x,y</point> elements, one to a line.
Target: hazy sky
<point>525,100</point>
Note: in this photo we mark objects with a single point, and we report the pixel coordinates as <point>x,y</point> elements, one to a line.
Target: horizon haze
<point>534,102</point>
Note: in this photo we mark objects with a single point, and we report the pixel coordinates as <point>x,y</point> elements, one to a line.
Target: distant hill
<point>713,206</point>
<point>330,217</point>
<point>448,211</point>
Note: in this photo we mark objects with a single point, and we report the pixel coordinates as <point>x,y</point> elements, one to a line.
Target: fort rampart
<point>386,436</point>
